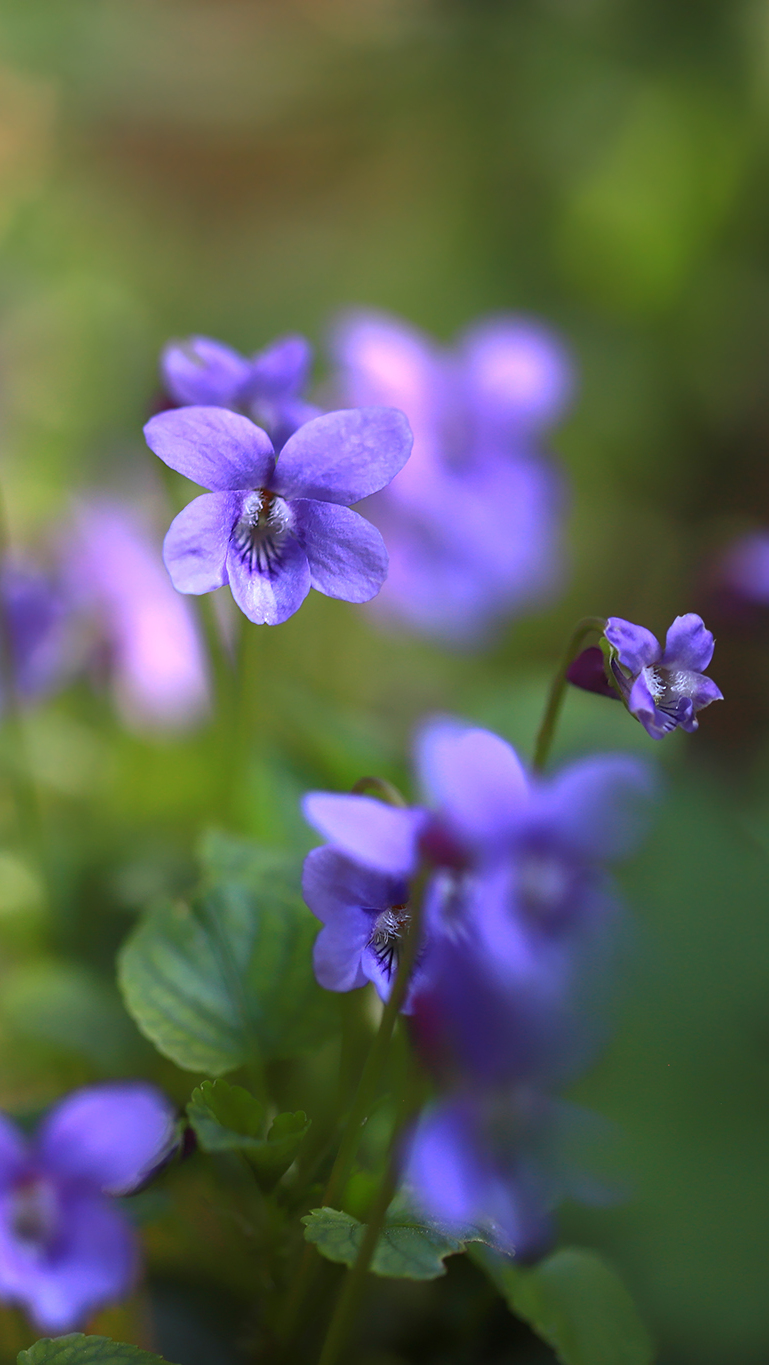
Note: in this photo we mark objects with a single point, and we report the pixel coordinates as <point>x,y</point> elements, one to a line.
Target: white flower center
<point>260,534</point>
<point>668,685</point>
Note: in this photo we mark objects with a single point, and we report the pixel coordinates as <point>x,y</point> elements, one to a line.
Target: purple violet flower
<point>484,1161</point>
<point>274,531</point>
<point>480,805</point>
<point>65,1249</point>
<point>666,688</point>
<point>744,567</point>
<point>472,522</point>
<point>364,914</point>
<point>38,619</point>
<point>148,633</point>
<point>266,386</point>
<point>517,907</point>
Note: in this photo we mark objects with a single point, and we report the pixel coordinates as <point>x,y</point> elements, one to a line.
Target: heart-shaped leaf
<point>226,1118</point>
<point>78,1349</point>
<point>230,975</point>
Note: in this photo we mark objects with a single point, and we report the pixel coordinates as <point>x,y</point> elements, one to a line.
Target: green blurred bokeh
<point>243,169</point>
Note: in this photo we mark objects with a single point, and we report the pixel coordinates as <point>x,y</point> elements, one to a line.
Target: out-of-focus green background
<point>244,169</point>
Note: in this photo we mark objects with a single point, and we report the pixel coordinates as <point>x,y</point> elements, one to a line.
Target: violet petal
<point>216,448</point>
<point>344,456</point>
<point>204,372</point>
<point>592,806</point>
<point>382,837</point>
<point>196,543</point>
<point>269,598</point>
<point>641,705</point>
<point>689,644</point>
<point>474,778</point>
<point>347,555</point>
<point>96,1263</point>
<point>635,645</point>
<point>110,1135</point>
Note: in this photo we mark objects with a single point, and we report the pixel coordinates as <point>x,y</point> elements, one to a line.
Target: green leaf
<point>286,1135</point>
<point>226,1118</point>
<point>229,976</point>
<point>409,1248</point>
<point>78,1349</point>
<point>577,1303</point>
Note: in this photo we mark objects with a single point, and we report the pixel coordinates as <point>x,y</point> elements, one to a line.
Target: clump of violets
<point>517,917</point>
<point>65,1248</point>
<point>273,530</point>
<point>267,387</point>
<point>473,522</point>
<point>663,688</point>
<point>136,629</point>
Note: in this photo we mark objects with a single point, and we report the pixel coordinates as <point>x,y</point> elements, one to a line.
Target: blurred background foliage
<point>243,168</point>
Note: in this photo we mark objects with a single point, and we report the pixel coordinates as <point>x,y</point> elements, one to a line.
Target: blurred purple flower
<point>472,522</point>
<point>266,386</point>
<point>483,1161</point>
<point>745,567</point>
<point>273,532</point>
<point>666,688</point>
<point>481,805</point>
<point>65,1250</point>
<point>38,622</point>
<point>364,914</point>
<point>154,652</point>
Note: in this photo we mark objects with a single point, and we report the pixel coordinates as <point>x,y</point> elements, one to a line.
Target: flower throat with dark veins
<point>387,935</point>
<point>259,535</point>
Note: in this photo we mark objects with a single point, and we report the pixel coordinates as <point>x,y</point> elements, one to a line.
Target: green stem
<point>589,625</point>
<point>346,1309</point>
<point>366,1093</point>
<point>348,1303</point>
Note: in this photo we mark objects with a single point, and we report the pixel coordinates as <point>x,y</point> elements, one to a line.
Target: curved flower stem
<point>589,625</point>
<point>365,1095</point>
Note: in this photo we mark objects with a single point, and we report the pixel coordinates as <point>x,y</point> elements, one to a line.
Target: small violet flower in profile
<point>139,631</point>
<point>364,914</point>
<point>273,531</point>
<point>473,521</point>
<point>65,1248</point>
<point>266,387</point>
<point>666,688</point>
